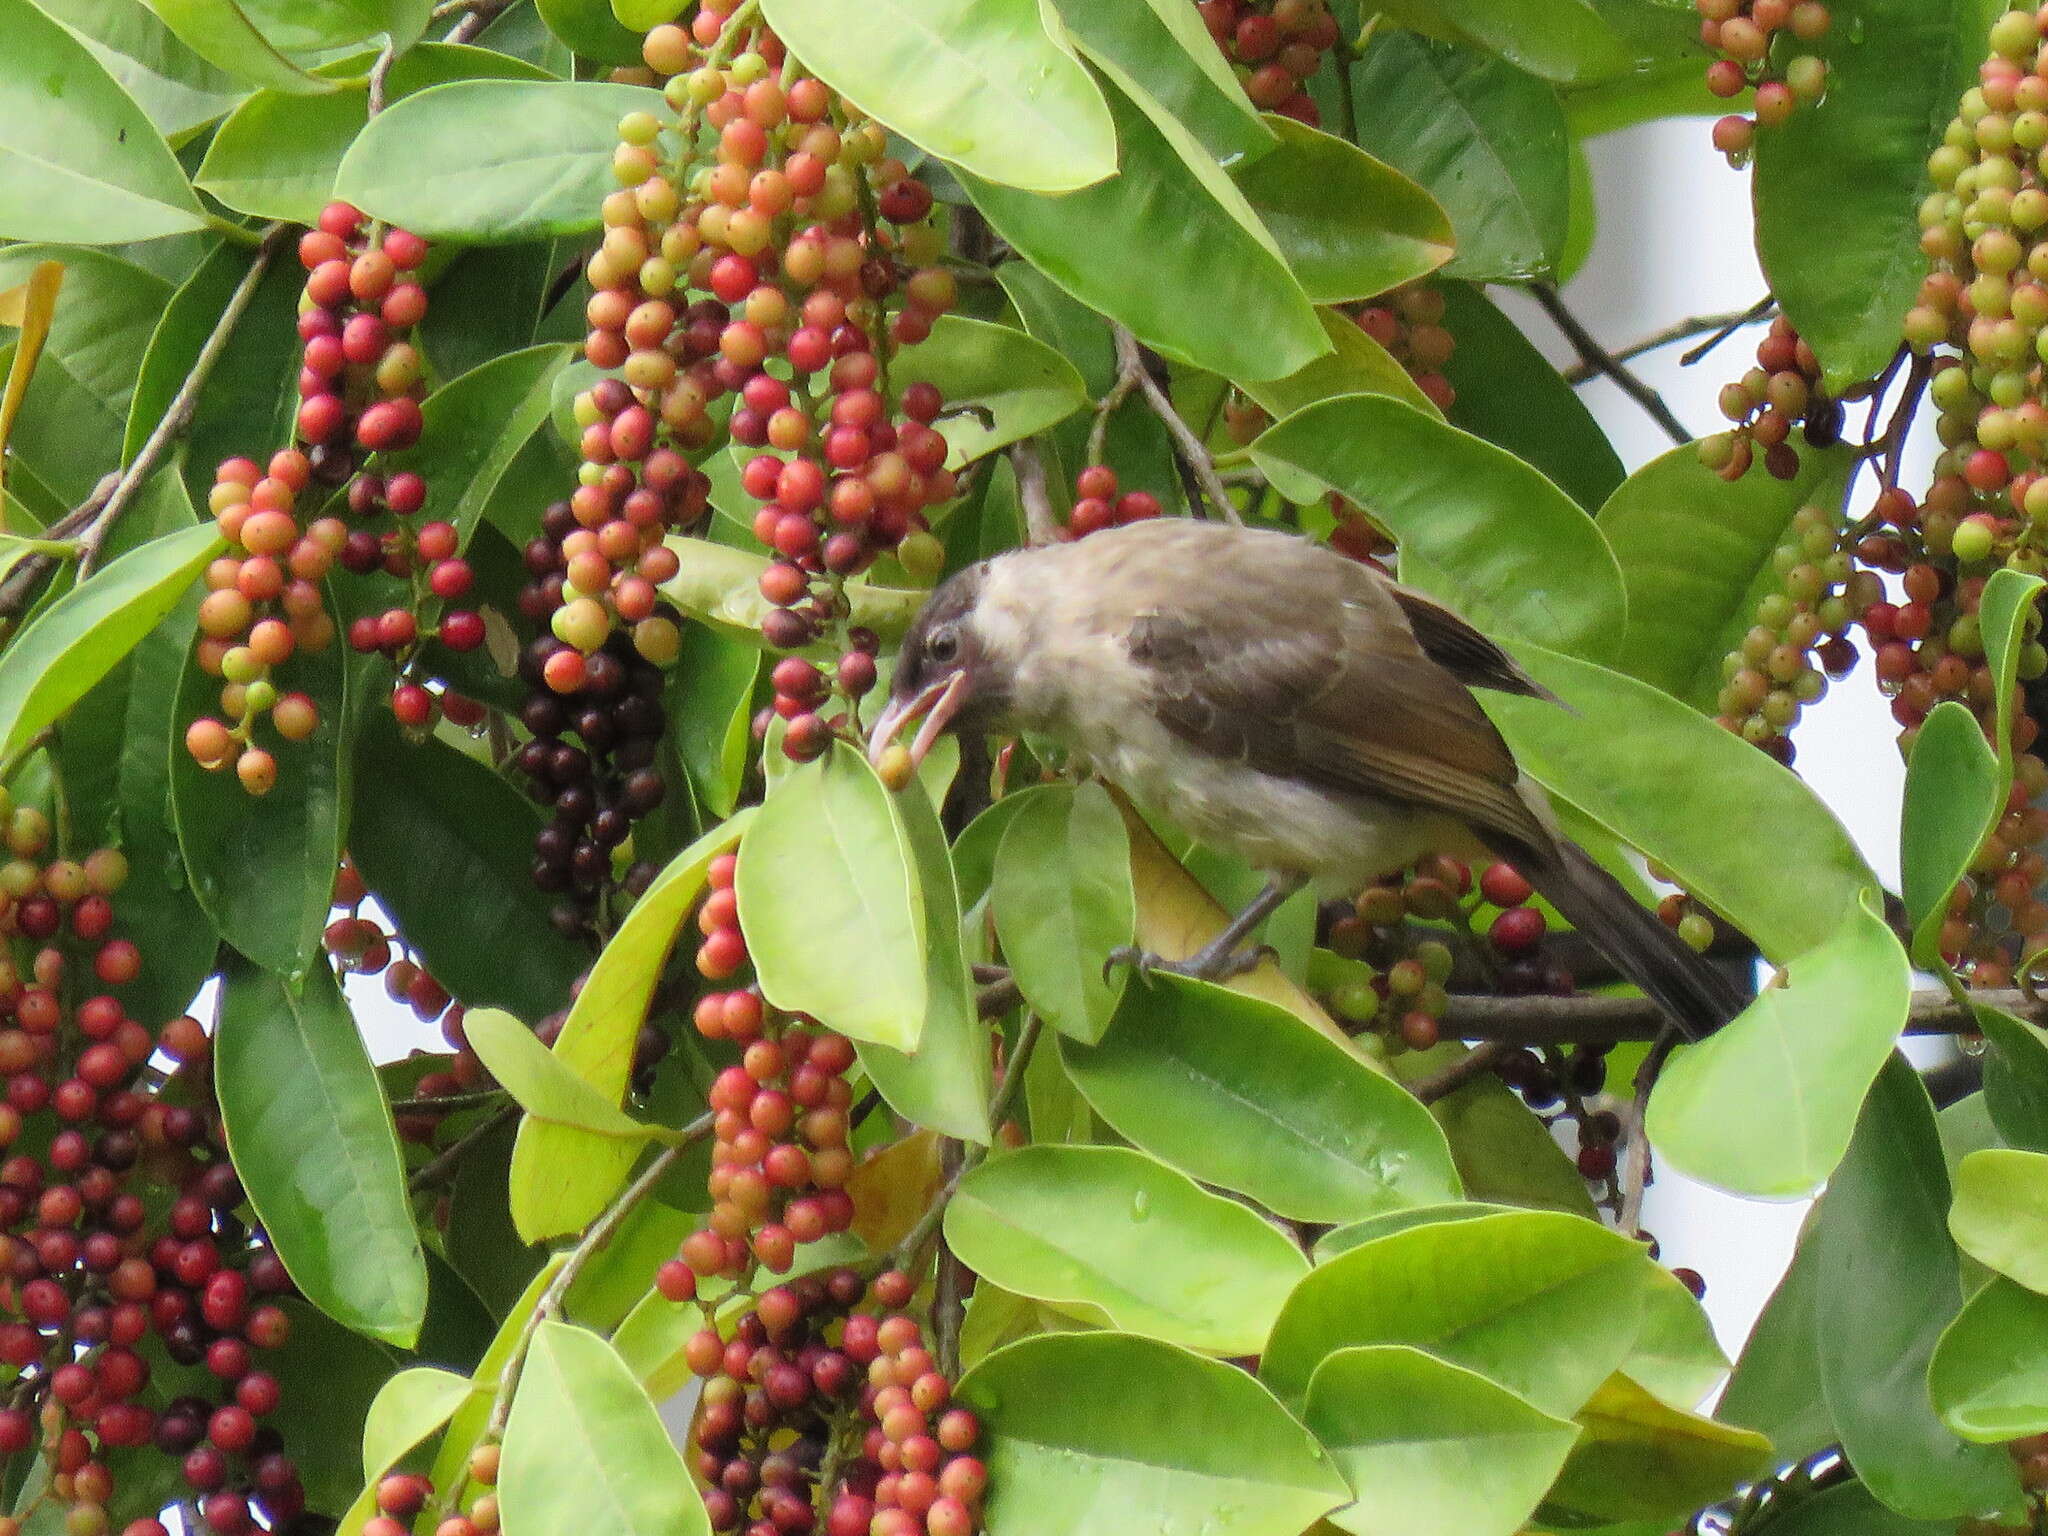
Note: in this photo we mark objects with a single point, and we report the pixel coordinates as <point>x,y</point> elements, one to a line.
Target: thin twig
<point>449,1103</point>
<point>1635,1155</point>
<point>480,14</point>
<point>380,73</point>
<point>178,416</point>
<point>1013,1070</point>
<point>1475,1063</point>
<point>446,1161</point>
<point>1535,1021</point>
<point>1716,328</point>
<point>595,1236</point>
<point>1602,361</point>
<point>1041,526</point>
<point>28,574</point>
<point>1126,381</point>
<point>1130,360</point>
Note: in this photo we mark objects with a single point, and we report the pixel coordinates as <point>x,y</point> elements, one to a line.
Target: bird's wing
<point>1312,675</point>
<point>1456,646</point>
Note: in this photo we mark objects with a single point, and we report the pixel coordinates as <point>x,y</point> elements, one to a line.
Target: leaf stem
<point>1635,1142</point>
<point>1193,452</point>
<point>1602,361</point>
<point>1040,525</point>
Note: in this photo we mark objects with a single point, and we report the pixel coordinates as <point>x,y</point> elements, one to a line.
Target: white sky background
<point>1674,240</point>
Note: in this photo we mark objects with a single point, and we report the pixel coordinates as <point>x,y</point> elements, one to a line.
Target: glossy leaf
<point>1509,393</point>
<point>1169,200</point>
<point>178,89</point>
<point>1086,1428</point>
<point>1119,1239</point>
<point>945,1082</point>
<point>1349,226</point>
<point>334,1374</point>
<point>585,1447</point>
<point>590,29</point>
<point>492,162</point>
<point>1640,1459</point>
<point>2000,1215</point>
<point>466,1426</point>
<point>1504,1152</point>
<point>1616,751</point>
<point>1240,1093</point>
<point>28,308</point>
<point>1801,1057</point>
<point>1019,109</point>
<point>1952,802</point>
<point>1478,528</point>
<point>445,845</point>
<point>1676,1356</point>
<point>1862,154</point>
<point>223,33</point>
<point>1357,1234</point>
<point>2006,604</point>
<point>1776,1387</point>
<point>830,903</point>
<point>1430,1446</point>
<point>1886,1287</point>
<point>1164,48</point>
<point>1486,140</point>
<point>1354,365</point>
<point>79,162</point>
<point>545,1088</point>
<point>408,1408</point>
<point>68,428</point>
<point>2016,1079</point>
<point>1989,1374</point>
<point>264,868</point>
<point>1847,1509</point>
<point>82,636</point>
<point>277,154</point>
<point>313,1142</point>
<point>475,426</point>
<point>1543,1303</point>
<point>710,710</point>
<point>999,384</point>
<point>336,24</point>
<point>1568,41</point>
<point>1063,901</point>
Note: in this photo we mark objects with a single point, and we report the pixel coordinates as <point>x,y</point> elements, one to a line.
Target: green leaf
<point>1639,1459</point>
<point>475,426</point>
<point>71,417</point>
<point>1886,1286</point>
<point>1199,234</point>
<point>1862,154</point>
<point>1241,1093</point>
<point>1357,1234</point>
<point>589,28</point>
<point>830,903</point>
<point>1509,394</point>
<point>79,162</point>
<point>1695,554</point>
<point>1084,1429</point>
<point>1350,226</point>
<point>1504,1152</point>
<point>1354,365</point>
<point>1063,902</point>
<point>2003,610</point>
<point>2016,1079</point>
<point>492,162</point>
<point>562,1175</point>
<point>1776,1388</point>
<point>1119,1239</point>
<point>263,868</point>
<point>999,384</point>
<point>1019,109</point>
<point>445,844</point>
<point>1430,1446</point>
<point>408,1408</point>
<point>222,33</point>
<point>334,24</point>
<point>84,635</point>
<point>1849,1510</point>
<point>2000,1215</point>
<point>1544,1304</point>
<point>1675,1355</point>
<point>545,1088</point>
<point>1952,802</point>
<point>585,1448</point>
<point>1800,1058</point>
<point>1478,528</point>
<point>1568,41</point>
<point>466,1427</point>
<point>710,711</point>
<point>1167,52</point>
<point>945,1083</point>
<point>1616,751</point>
<point>178,89</point>
<point>277,154</point>
<point>313,1142</point>
<point>1486,140</point>
<point>331,1376</point>
<point>1989,1374</point>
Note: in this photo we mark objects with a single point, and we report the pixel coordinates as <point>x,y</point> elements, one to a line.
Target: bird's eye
<point>943,646</point>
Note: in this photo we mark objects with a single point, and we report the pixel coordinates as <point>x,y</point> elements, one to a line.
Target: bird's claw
<point>1201,966</point>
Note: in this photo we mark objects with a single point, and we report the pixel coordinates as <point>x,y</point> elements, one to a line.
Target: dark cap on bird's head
<point>938,667</point>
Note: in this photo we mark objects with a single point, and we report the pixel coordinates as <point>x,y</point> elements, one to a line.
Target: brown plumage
<point>1280,701</point>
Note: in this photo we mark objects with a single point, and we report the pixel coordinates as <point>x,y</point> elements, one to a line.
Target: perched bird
<point>1278,701</point>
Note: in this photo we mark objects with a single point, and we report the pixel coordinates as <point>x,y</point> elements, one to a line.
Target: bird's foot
<point>1212,963</point>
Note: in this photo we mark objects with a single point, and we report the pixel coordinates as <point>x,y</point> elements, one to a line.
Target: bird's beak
<point>938,702</point>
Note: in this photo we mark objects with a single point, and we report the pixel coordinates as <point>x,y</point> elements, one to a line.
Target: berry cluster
<point>95,1256</point>
<point>1781,392</point>
<point>401,1497</point>
<point>1743,33</point>
<point>1274,48</point>
<point>1409,323</point>
<point>1098,504</point>
<point>806,1382</point>
<point>1800,637</point>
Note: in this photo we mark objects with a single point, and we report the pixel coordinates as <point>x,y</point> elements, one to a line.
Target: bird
<point>1277,700</point>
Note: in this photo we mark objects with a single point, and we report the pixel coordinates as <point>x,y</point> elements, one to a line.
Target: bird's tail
<point>1692,990</point>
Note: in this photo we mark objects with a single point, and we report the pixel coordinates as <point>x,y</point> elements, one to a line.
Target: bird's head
<point>946,672</point>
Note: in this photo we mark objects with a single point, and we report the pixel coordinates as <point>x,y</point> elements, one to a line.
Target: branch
<point>1539,1020</point>
<point>1600,360</point>
<point>1635,1141</point>
<point>1716,328</point>
<point>1475,1063</point>
<point>1130,362</point>
<point>444,1162</point>
<point>1040,525</point>
<point>477,14</point>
